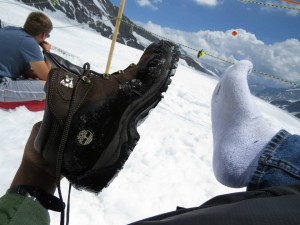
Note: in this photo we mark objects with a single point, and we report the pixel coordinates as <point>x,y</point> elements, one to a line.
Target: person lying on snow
<point>23,69</point>
<point>247,152</point>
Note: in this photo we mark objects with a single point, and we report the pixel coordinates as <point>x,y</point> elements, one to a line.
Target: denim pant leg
<point>279,163</point>
<point>21,90</point>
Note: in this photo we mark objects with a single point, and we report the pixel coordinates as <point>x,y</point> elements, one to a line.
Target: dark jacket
<point>270,206</point>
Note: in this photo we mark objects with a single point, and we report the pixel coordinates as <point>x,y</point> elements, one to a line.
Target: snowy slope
<point>170,166</point>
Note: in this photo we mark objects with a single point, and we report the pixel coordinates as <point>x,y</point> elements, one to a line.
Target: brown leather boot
<point>90,123</point>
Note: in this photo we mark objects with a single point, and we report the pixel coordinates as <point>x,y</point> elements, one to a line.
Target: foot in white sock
<point>239,131</point>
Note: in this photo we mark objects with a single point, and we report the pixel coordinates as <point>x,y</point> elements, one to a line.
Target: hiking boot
<point>90,122</point>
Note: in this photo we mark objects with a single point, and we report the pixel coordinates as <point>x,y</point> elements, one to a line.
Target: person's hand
<point>33,157</point>
<point>45,46</point>
<point>34,170</point>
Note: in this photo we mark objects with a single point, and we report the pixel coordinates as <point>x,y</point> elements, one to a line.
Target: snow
<point>171,164</point>
<point>141,40</point>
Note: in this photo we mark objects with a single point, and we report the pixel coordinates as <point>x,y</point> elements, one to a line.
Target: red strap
<point>30,105</point>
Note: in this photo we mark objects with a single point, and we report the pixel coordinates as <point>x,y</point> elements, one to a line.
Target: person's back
<point>23,70</point>
<point>15,56</point>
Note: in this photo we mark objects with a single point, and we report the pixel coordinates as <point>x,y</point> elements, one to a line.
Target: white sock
<point>239,131</point>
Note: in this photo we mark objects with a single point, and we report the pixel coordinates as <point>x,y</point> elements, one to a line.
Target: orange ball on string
<point>234,33</point>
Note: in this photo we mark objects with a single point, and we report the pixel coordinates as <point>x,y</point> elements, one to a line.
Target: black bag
<point>270,206</point>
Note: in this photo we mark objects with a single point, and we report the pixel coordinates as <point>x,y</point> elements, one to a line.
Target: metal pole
<point>114,39</point>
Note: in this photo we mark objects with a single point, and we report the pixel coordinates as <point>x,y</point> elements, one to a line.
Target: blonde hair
<point>37,23</point>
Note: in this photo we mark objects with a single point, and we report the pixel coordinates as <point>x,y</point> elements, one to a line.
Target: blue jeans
<point>279,163</point>
<point>21,90</point>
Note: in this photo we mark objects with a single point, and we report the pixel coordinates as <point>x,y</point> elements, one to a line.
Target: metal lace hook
<point>86,71</point>
<point>106,76</point>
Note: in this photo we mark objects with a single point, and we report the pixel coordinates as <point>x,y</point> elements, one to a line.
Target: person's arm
<point>31,193</point>
<point>40,69</point>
